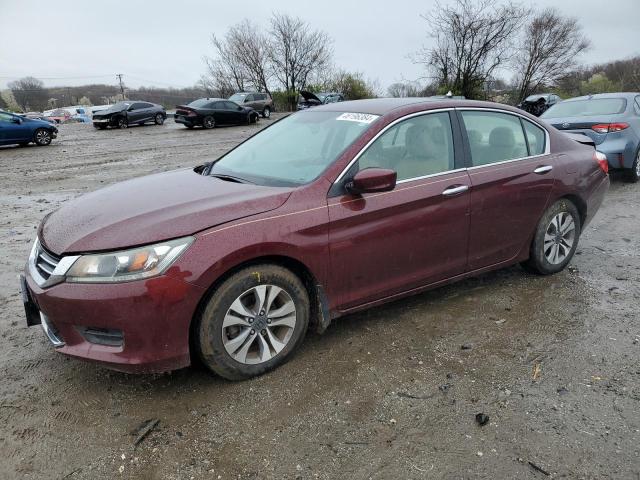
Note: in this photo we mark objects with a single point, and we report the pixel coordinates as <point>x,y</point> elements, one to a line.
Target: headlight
<point>127,265</point>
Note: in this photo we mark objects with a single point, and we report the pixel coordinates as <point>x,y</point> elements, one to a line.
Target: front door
<point>511,176</point>
<point>11,130</point>
<point>386,243</point>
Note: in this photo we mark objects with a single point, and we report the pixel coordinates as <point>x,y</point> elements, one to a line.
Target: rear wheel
<point>208,122</point>
<point>122,122</point>
<point>159,119</point>
<point>42,137</point>
<point>266,112</point>
<point>633,174</point>
<point>253,322</point>
<point>555,240</point>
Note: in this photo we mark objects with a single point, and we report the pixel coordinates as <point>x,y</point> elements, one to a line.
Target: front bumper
<point>152,319</point>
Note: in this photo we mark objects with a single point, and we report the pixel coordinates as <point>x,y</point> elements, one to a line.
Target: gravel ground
<point>385,394</point>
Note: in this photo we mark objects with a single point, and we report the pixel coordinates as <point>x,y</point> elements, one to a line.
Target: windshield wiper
<point>229,178</point>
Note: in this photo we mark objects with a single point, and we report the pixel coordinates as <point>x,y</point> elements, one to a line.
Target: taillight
<point>609,127</point>
<point>601,158</point>
<point>191,113</point>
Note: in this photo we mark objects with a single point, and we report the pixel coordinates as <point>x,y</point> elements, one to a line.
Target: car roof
<point>383,106</point>
<point>605,95</point>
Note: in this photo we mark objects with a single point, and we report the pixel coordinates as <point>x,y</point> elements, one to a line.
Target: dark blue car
<point>16,130</point>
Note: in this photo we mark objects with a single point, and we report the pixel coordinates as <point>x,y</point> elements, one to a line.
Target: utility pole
<point>119,75</point>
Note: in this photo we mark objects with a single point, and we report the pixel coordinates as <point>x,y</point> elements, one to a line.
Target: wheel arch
<point>319,317</point>
<point>580,204</point>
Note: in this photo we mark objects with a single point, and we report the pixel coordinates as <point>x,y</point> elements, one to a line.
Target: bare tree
<point>296,52</point>
<point>548,50</point>
<point>472,39</point>
<point>29,93</point>
<point>249,45</point>
<point>404,89</point>
<point>241,61</point>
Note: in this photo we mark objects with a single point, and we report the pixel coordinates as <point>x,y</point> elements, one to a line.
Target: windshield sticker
<point>358,117</point>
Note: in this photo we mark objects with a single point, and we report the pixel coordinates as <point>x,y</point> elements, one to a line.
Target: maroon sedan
<point>324,213</point>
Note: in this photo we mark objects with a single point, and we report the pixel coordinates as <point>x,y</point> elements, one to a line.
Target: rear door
<point>382,244</point>
<point>512,174</point>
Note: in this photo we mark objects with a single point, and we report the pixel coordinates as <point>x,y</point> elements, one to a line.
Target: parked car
<point>57,116</point>
<point>612,120</point>
<point>260,102</point>
<point>214,112</point>
<point>130,112</point>
<point>539,103</point>
<point>17,130</point>
<point>323,213</point>
<point>310,99</point>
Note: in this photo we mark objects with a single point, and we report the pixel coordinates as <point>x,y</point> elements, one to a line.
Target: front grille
<point>46,262</point>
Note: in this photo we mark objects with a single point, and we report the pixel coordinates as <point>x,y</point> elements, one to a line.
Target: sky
<point>162,42</point>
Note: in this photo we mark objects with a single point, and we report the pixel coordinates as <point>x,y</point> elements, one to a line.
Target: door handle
<point>543,169</point>
<point>451,191</point>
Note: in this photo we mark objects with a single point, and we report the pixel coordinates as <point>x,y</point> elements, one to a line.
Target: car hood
<point>109,110</point>
<point>151,209</point>
<point>36,121</point>
<point>309,96</point>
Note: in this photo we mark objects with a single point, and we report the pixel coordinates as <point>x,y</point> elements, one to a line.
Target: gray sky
<point>161,42</point>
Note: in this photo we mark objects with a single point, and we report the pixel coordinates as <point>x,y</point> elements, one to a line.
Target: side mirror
<point>246,100</point>
<point>130,109</point>
<point>16,120</point>
<point>371,180</point>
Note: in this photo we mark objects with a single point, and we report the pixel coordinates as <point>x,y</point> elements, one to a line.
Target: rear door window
<point>494,137</point>
<point>536,138</point>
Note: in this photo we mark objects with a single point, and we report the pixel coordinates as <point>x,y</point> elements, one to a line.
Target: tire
<point>560,247</point>
<point>159,119</point>
<point>253,118</point>
<point>122,123</point>
<point>42,137</point>
<point>266,112</point>
<point>218,326</point>
<point>209,122</point>
<point>632,175</point>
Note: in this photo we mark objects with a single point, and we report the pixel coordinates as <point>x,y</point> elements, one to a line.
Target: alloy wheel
<point>559,238</point>
<point>638,164</point>
<point>209,122</point>
<point>259,324</point>
<point>43,137</point>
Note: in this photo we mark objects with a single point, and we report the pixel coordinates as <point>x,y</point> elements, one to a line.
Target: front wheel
<point>633,174</point>
<point>208,122</point>
<point>555,240</point>
<point>253,322</point>
<point>122,123</point>
<point>42,137</point>
<point>266,113</point>
<point>159,119</point>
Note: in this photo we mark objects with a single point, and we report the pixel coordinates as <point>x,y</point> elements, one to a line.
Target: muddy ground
<point>386,394</point>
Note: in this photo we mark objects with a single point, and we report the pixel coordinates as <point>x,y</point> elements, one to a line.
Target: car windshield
<point>586,108</point>
<point>120,105</point>
<point>201,102</point>
<point>238,97</point>
<point>295,150</point>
